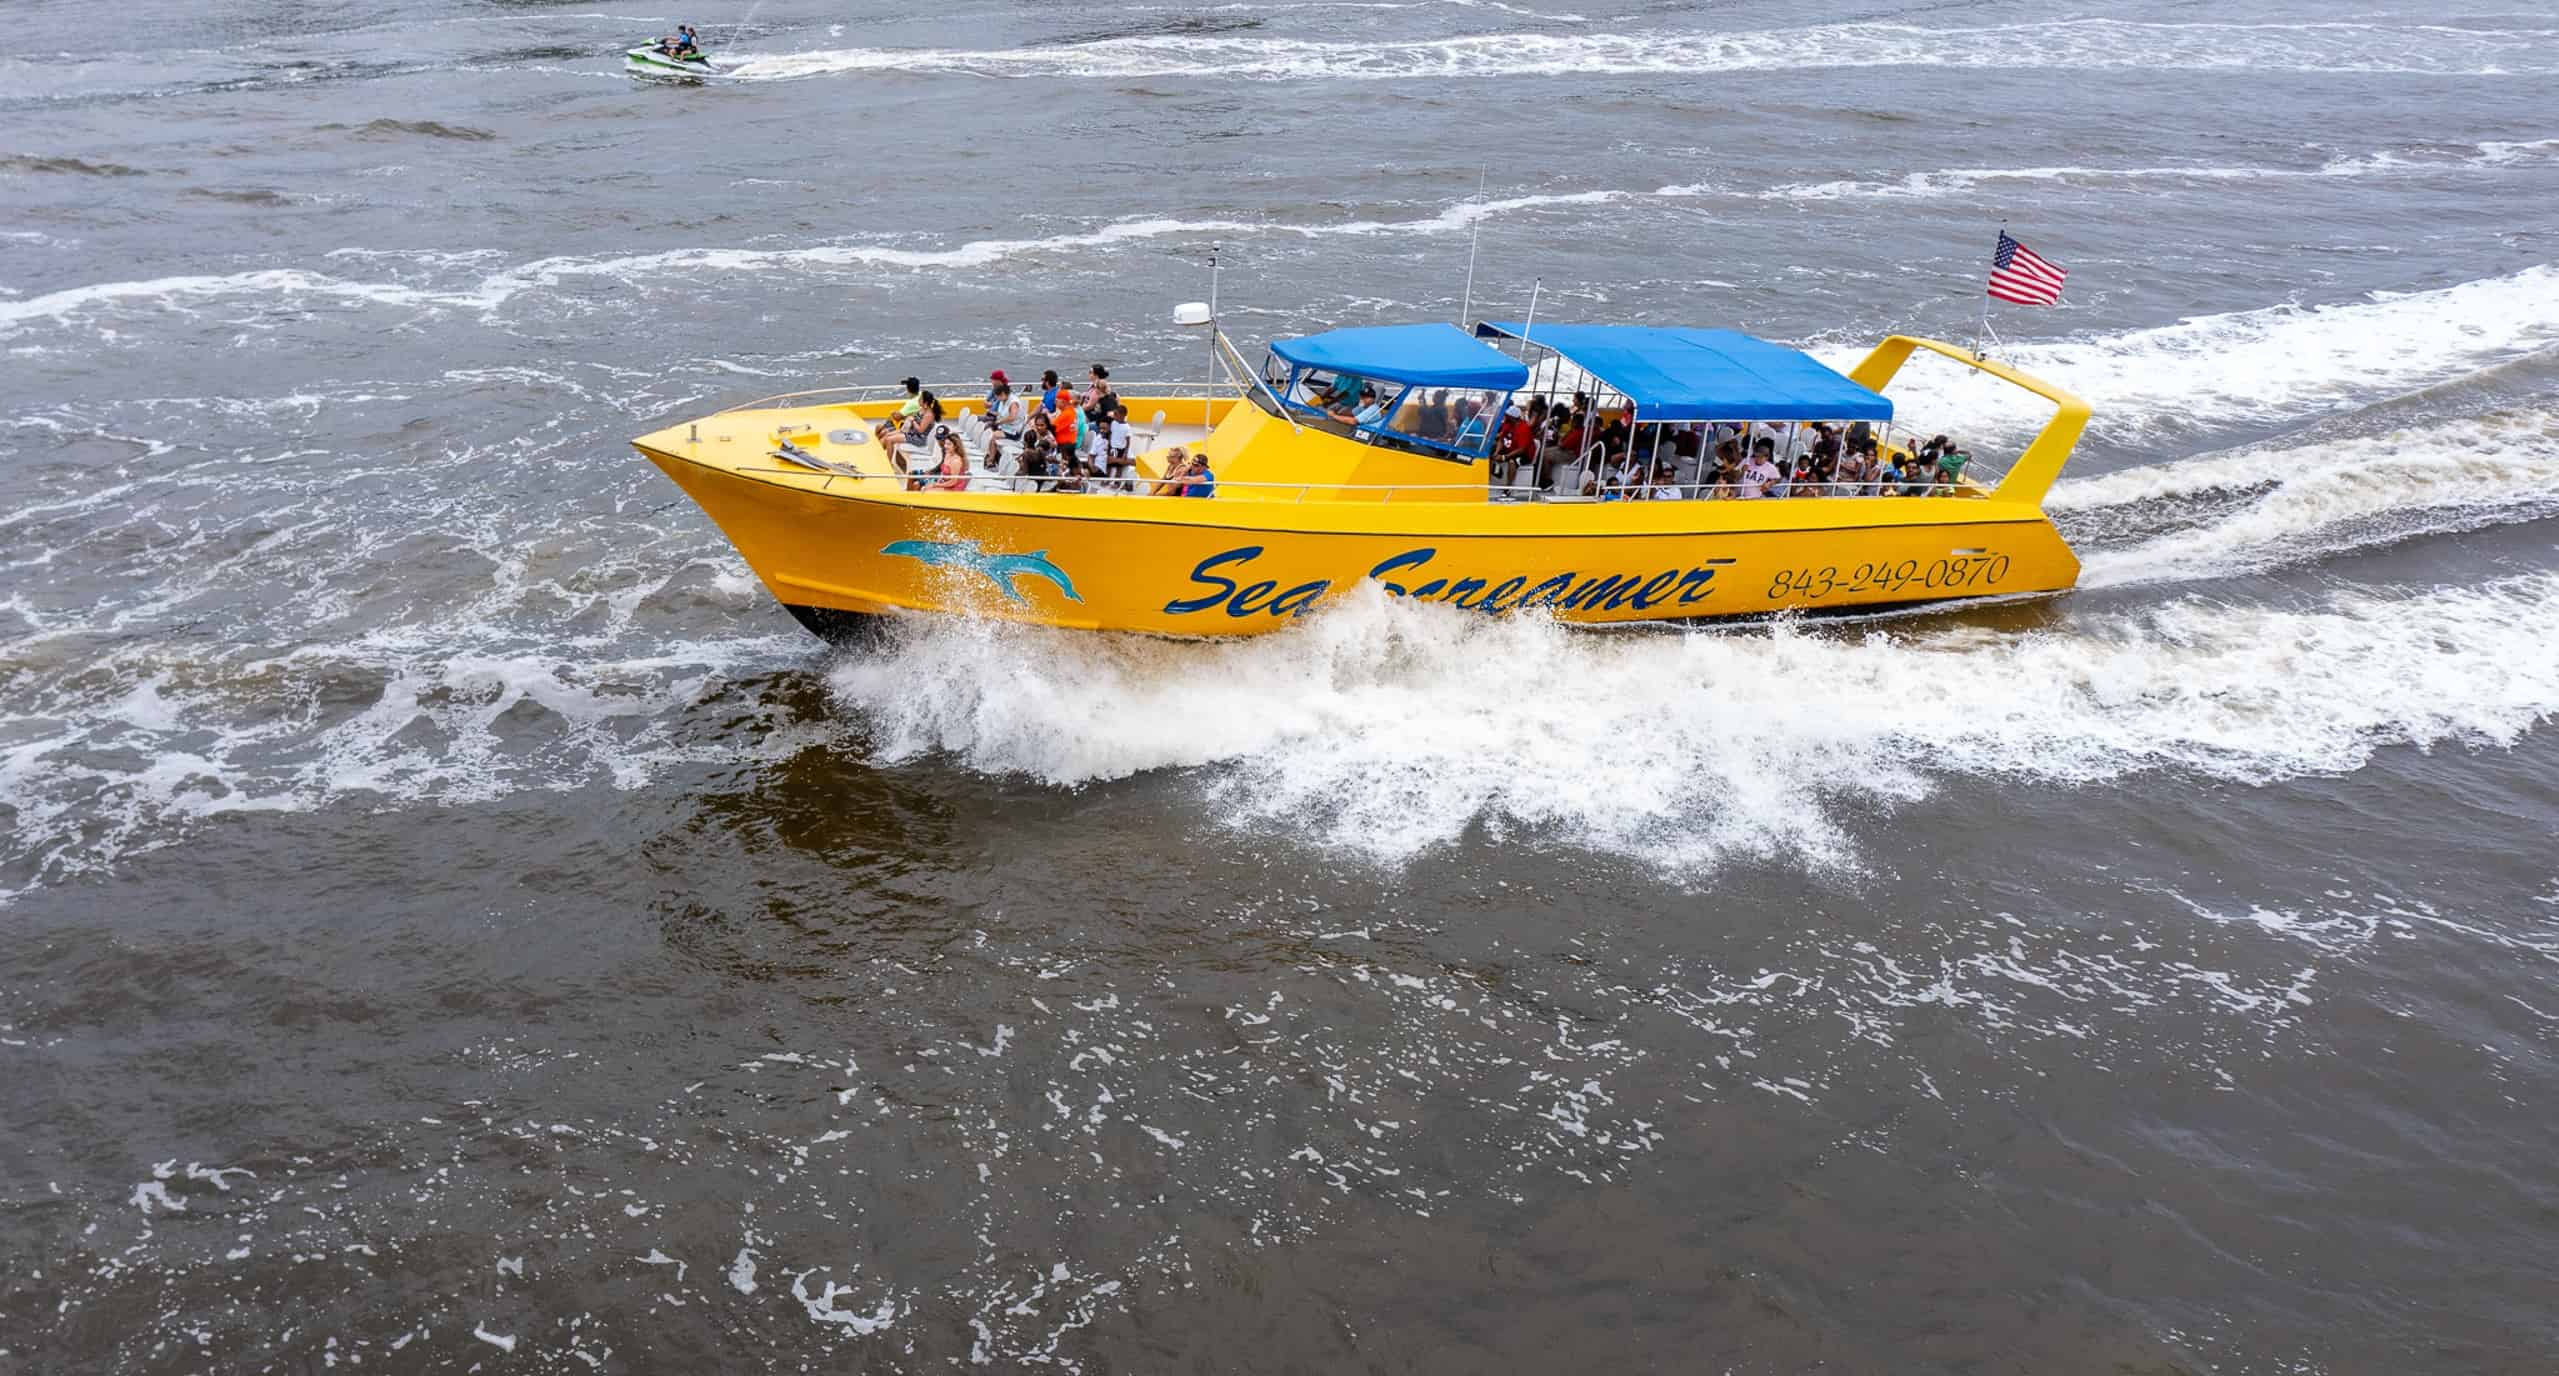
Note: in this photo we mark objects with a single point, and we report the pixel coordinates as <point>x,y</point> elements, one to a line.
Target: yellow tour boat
<point>1369,455</point>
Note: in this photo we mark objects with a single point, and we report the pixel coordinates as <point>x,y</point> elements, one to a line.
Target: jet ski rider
<point>686,45</point>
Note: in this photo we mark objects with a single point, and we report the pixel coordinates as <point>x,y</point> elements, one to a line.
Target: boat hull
<point>832,550</point>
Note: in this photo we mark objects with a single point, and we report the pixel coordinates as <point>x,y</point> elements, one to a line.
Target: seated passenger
<point>1177,468</point>
<point>1074,475</point>
<point>1203,483</point>
<point>1039,457</point>
<point>1474,417</point>
<point>1666,486</point>
<point>954,469</point>
<point>1806,480</point>
<point>1372,411</point>
<point>914,397</point>
<point>1950,466</point>
<point>1888,476</point>
<point>1725,483</point>
<point>1919,474</point>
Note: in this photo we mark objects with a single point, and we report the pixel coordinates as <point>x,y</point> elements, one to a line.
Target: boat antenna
<point>1474,236</point>
<point>1531,323</point>
<point>1209,397</point>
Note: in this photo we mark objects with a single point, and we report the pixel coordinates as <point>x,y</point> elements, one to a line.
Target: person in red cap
<point>1003,410</point>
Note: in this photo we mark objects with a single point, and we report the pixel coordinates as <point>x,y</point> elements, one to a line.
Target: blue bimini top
<point>1679,373</point>
<point>1420,355</point>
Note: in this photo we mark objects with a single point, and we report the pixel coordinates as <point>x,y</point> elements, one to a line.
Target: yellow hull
<point>848,539</point>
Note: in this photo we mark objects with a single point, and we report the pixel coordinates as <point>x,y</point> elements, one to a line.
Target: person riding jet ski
<point>685,46</point>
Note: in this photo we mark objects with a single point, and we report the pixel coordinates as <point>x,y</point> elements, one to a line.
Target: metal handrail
<point>963,392</point>
<point>1519,491</point>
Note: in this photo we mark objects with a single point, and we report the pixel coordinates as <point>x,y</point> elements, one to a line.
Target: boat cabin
<point>1420,401</point>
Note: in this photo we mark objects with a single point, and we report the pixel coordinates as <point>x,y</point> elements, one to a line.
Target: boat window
<point>1459,420</point>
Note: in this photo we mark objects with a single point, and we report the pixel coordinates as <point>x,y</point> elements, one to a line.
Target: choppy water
<point>449,918</point>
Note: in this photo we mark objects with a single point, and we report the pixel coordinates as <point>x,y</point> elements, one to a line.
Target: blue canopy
<point>1678,373</point>
<point>1423,355</point>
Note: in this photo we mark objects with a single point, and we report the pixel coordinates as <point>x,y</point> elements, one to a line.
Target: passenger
<point>1474,417</point>
<point>1004,410</point>
<point>1123,435</point>
<point>917,433</point>
<point>1728,480</point>
<point>1203,483</point>
<point>1666,486</point>
<point>1950,466</point>
<point>1888,476</point>
<point>1806,480</point>
<point>1626,477</point>
<point>1048,389</point>
<point>1074,475</point>
<point>1039,457</point>
<point>1098,397</point>
<point>1177,466</point>
<point>1515,447</point>
<point>954,469</point>
<point>914,397</point>
<point>1062,426</point>
<point>1343,394</point>
<point>1372,411</point>
<point>1762,472</point>
<point>1853,474</point>
<point>1919,474</point>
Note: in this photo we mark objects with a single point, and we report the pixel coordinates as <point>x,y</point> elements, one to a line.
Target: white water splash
<point>2070,44</point>
<point>2327,497</point>
<point>2259,366</point>
<point>1385,729</point>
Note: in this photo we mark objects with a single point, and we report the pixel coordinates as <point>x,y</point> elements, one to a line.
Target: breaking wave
<point>2066,44</point>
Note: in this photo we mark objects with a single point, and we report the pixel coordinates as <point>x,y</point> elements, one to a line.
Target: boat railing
<point>963,395</point>
<point>982,480</point>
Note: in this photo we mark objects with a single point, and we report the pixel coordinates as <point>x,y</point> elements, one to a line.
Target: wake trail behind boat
<point>1385,729</point>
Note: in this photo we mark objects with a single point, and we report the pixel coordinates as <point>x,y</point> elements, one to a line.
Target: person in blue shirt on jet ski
<point>686,45</point>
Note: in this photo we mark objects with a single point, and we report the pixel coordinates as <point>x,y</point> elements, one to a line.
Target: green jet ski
<point>660,59</point>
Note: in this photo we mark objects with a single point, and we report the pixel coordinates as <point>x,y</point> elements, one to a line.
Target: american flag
<point>2017,275</point>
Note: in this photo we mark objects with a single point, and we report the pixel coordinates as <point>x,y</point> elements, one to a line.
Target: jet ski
<point>651,59</point>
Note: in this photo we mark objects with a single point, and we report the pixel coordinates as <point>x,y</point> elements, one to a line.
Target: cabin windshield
<point>1454,423</point>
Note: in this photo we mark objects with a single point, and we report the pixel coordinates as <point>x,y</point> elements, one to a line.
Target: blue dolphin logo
<point>1000,569</point>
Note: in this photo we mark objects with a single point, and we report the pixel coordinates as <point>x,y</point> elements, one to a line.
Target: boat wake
<point>2078,44</point>
<point>2276,364</point>
<point>2269,507</point>
<point>1385,729</point>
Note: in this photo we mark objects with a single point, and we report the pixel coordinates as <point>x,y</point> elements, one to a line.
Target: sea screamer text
<point>1572,591</point>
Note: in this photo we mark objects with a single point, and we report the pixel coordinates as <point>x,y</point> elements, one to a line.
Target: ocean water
<point>450,919</point>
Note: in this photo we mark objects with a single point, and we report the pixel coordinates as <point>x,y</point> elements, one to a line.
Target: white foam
<point>2064,44</point>
<point>179,293</point>
<point>2276,363</point>
<point>2321,499</point>
<point>1385,728</point>
<point>1964,181</point>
